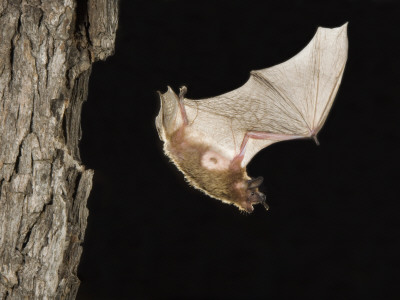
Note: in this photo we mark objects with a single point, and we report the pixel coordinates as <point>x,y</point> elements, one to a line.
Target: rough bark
<point>47,48</point>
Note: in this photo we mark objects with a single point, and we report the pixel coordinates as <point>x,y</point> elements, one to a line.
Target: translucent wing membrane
<point>292,98</point>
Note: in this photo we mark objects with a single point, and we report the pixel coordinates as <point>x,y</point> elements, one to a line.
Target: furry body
<point>212,140</point>
<point>206,168</point>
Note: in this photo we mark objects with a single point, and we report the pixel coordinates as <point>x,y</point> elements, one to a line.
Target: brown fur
<point>219,184</point>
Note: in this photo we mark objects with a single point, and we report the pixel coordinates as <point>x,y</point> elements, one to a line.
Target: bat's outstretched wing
<point>289,99</point>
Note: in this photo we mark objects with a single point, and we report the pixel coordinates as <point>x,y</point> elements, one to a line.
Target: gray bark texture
<point>47,48</point>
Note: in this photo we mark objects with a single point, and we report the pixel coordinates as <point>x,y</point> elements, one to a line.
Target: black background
<point>333,228</point>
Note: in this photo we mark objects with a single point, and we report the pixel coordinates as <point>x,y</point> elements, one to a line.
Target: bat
<point>212,140</point>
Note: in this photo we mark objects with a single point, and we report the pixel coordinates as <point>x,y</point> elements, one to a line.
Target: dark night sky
<point>333,228</point>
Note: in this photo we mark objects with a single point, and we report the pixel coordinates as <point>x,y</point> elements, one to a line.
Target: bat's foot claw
<point>182,92</point>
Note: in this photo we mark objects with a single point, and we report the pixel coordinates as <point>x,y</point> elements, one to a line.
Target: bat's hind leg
<point>182,93</point>
<point>259,135</point>
<point>179,135</point>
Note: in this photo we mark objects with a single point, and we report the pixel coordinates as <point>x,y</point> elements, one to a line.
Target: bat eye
<point>252,193</point>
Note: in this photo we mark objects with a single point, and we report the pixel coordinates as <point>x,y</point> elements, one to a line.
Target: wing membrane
<point>292,98</point>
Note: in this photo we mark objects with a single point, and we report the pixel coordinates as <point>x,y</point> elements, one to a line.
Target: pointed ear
<point>255,182</point>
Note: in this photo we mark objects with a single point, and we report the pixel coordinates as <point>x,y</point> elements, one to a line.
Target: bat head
<point>253,195</point>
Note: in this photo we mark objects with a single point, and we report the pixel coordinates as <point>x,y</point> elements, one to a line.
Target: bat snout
<point>254,196</point>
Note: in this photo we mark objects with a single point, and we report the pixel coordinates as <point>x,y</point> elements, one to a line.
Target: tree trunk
<point>47,48</point>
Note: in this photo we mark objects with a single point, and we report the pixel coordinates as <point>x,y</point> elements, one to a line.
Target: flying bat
<point>212,140</point>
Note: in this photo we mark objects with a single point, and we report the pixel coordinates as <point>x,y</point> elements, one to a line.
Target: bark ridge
<point>47,49</point>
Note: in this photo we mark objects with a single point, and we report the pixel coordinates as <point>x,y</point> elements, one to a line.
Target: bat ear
<point>255,182</point>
